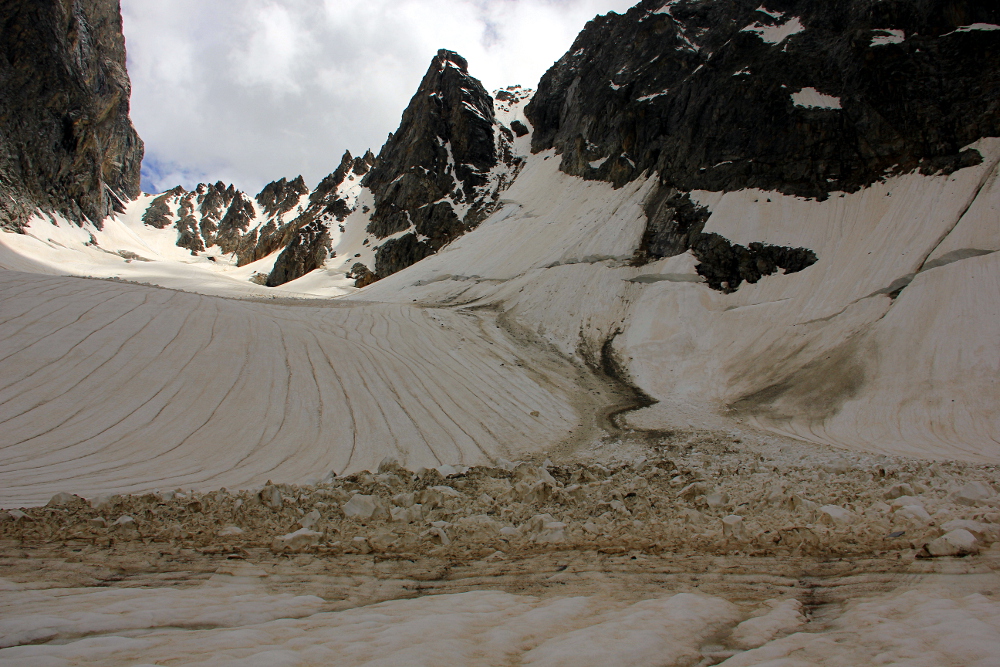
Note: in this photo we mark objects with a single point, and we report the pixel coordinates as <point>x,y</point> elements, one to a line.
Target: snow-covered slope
<point>241,622</point>
<point>125,248</point>
<point>109,387</point>
<point>887,343</point>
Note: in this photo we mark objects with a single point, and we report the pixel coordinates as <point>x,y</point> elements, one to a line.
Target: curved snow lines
<point>410,399</point>
<point>60,375</point>
<point>215,386</point>
<point>316,450</point>
<point>64,373</point>
<point>407,434</point>
<point>153,389</point>
<point>87,310</point>
<point>441,386</point>
<point>294,442</point>
<point>275,450</point>
<point>30,302</point>
<point>422,384</point>
<point>348,404</point>
<point>498,395</point>
<point>101,409</point>
<point>365,377</point>
<point>483,382</point>
<point>96,414</point>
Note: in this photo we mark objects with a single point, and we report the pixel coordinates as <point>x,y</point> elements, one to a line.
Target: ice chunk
<point>958,542</point>
<point>972,493</point>
<point>835,514</point>
<point>732,526</point>
<point>783,617</point>
<point>62,498</point>
<point>360,506</point>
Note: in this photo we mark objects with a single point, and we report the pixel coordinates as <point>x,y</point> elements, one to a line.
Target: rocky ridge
<point>284,215</point>
<point>68,144</point>
<point>792,96</point>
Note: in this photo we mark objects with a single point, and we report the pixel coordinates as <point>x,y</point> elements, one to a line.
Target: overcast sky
<point>248,91</point>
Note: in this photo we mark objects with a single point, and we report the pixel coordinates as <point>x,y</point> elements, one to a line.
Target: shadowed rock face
<point>792,95</point>
<point>442,147</point>
<point>433,175</point>
<point>306,251</point>
<point>68,145</point>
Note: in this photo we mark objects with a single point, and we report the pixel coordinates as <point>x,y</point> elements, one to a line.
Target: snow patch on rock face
<point>776,34</point>
<point>888,37</point>
<point>977,27</point>
<point>810,98</point>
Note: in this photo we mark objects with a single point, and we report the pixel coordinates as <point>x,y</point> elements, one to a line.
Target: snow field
<point>111,387</point>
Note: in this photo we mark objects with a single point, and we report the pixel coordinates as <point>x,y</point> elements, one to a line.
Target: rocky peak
<point>308,237</point>
<point>328,192</point>
<point>362,165</point>
<point>442,147</point>
<point>439,174</point>
<point>792,95</point>
<point>68,144</point>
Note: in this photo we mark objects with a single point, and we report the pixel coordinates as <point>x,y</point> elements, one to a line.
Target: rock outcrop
<point>801,97</point>
<point>68,145</point>
<point>440,174</point>
<point>675,225</point>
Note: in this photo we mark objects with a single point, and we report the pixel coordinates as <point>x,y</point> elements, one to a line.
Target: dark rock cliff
<point>710,93</point>
<point>797,96</point>
<point>68,145</point>
<point>436,176</point>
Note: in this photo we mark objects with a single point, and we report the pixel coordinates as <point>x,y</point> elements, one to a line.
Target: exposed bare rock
<point>68,144</point>
<point>803,97</point>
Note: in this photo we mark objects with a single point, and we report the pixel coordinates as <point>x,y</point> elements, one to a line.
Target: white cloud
<point>249,91</point>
